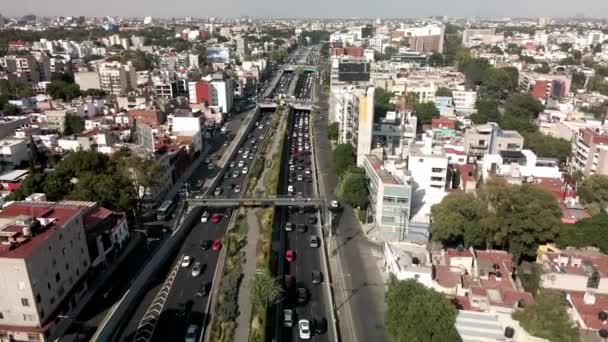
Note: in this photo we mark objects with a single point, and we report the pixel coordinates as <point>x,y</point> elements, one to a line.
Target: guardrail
<point>257,202</point>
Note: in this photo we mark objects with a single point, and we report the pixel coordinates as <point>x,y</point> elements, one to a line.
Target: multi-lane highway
<point>179,300</point>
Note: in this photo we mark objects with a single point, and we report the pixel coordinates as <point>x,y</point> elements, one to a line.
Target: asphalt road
<point>306,258</point>
<point>181,306</point>
<point>359,257</point>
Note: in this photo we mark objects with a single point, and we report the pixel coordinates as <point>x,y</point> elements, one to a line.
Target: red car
<point>216,218</point>
<point>289,255</point>
<point>217,245</point>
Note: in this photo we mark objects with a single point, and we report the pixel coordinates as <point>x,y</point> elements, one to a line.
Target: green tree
<point>496,83</point>
<point>343,158</point>
<point>73,124</point>
<point>487,111</point>
<point>457,215</point>
<point>520,112</point>
<point>592,231</point>
<point>578,81</point>
<point>353,188</point>
<point>382,102</point>
<point>144,175</point>
<point>418,314</point>
<point>33,183</point>
<point>264,290</point>
<point>548,318</point>
<point>474,70</point>
<point>594,189</point>
<point>546,146</point>
<point>437,60</point>
<point>332,131</point>
<point>443,91</point>
<point>426,112</point>
<point>543,68</point>
<point>63,90</point>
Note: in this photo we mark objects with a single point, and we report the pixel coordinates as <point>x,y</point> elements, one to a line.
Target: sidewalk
<point>249,269</point>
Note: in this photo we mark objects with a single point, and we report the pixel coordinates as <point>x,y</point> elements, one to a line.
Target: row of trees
<point>352,187</point>
<point>118,183</point>
<point>512,217</point>
<point>141,60</point>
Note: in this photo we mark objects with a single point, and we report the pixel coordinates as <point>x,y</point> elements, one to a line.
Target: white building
<point>464,101</point>
<point>518,166</point>
<point>408,260</point>
<point>117,78</point>
<point>13,152</point>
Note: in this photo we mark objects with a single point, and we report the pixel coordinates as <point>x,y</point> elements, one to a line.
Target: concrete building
<point>363,133</point>
<point>490,138</point>
<point>9,124</point>
<point>464,101</point>
<point>543,86</point>
<point>87,80</point>
<point>26,68</point>
<point>395,133</point>
<point>13,152</point>
<point>518,167</point>
<point>390,200</point>
<point>117,78</point>
<point>242,47</point>
<point>44,257</point>
<point>475,37</point>
<point>408,260</point>
<point>590,152</point>
<point>55,119</point>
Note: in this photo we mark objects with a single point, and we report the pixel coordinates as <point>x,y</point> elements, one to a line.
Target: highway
<point>172,303</point>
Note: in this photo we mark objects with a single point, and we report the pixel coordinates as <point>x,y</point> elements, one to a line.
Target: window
<point>48,285</point>
<point>1,315</point>
<point>28,318</point>
<point>436,169</point>
<point>60,236</point>
<point>33,337</point>
<point>25,302</point>
<point>421,160</point>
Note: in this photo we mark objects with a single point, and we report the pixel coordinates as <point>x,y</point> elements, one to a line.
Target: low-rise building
<point>408,260</point>
<point>13,152</point>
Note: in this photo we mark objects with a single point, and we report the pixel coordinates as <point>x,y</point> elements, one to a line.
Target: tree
<point>520,112</point>
<point>426,112</point>
<point>264,290</point>
<point>382,102</point>
<point>543,68</point>
<point>594,189</point>
<point>443,91</point>
<point>143,175</point>
<point>474,70</point>
<point>33,183</point>
<point>458,214</point>
<point>343,158</point>
<point>592,231</point>
<point>390,51</point>
<point>63,90</point>
<point>353,188</point>
<point>73,124</point>
<point>418,314</point>
<point>332,131</point>
<point>496,83</point>
<point>437,60</point>
<point>487,111</point>
<point>547,146</point>
<point>548,318</point>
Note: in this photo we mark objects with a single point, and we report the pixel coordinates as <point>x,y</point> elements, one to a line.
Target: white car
<point>205,217</point>
<point>335,204</point>
<point>290,189</point>
<point>186,260</point>
<point>304,329</point>
<point>191,333</point>
<point>237,189</point>
<point>196,269</point>
<point>245,170</point>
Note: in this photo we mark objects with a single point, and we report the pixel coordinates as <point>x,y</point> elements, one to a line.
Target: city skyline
<point>309,9</point>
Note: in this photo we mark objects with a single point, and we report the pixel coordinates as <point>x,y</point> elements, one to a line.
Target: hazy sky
<point>306,8</point>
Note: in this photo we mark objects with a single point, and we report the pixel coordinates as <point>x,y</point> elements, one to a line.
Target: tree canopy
<point>332,131</point>
<point>487,111</point>
<point>547,146</point>
<point>513,217</point>
<point>594,189</point>
<point>342,159</point>
<point>592,231</point>
<point>382,102</point>
<point>264,290</point>
<point>418,314</point>
<point>443,91</point>
<point>426,112</point>
<point>520,112</point>
<point>548,318</point>
<point>353,188</point>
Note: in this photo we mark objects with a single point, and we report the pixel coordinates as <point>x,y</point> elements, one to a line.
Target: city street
<point>360,259</point>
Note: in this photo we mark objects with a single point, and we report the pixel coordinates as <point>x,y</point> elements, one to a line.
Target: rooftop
<point>589,309</point>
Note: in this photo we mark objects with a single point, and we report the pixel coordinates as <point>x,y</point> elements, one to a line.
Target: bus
<point>165,211</point>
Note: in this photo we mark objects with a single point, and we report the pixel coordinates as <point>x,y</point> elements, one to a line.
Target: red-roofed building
<point>443,123</point>
<point>44,259</point>
<point>588,310</point>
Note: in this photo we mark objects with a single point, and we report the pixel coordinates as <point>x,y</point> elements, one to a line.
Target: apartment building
<point>395,133</point>
<point>543,86</point>
<point>116,78</point>
<point>13,152</point>
<point>365,124</point>
<point>591,152</point>
<point>44,257</point>
<point>390,200</point>
<point>464,101</point>
<point>518,167</point>
<point>26,68</point>
<point>55,119</point>
<point>489,138</point>
<point>475,37</point>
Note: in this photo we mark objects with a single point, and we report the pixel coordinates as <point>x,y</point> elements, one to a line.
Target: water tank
<point>603,333</point>
<point>509,332</point>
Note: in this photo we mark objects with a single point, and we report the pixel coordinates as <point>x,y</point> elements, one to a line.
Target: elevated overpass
<point>258,202</point>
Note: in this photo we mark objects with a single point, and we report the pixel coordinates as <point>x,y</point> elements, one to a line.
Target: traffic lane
<point>183,306</point>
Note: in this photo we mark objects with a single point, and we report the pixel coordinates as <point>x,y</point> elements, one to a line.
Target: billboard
<point>218,55</point>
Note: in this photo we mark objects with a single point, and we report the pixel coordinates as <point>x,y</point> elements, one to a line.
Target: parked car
<point>317,277</point>
<point>191,333</point>
<point>217,245</point>
<point>288,318</point>
<point>206,244</point>
<point>203,290</point>
<point>302,294</point>
<point>320,325</point>
<point>314,241</point>
<point>289,255</point>
<point>216,218</point>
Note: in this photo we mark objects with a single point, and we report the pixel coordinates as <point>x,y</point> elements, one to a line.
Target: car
<point>320,325</point>
<point>241,163</point>
<point>307,171</point>
<point>226,175</point>
<point>290,180</point>
<point>290,189</point>
<point>216,218</point>
<point>186,260</point>
<point>304,329</point>
<point>205,217</point>
<point>300,178</point>
<point>235,174</point>
<point>317,277</point>
<point>251,156</point>
<point>312,219</point>
<point>237,189</point>
<point>206,244</point>
<point>217,245</point>
<point>207,160</point>
<point>210,166</point>
<point>191,333</point>
<point>239,151</point>
<point>197,269</point>
<point>245,170</point>
<point>218,191</point>
<point>288,281</point>
<point>302,228</point>
<point>288,318</point>
<point>288,226</point>
<point>232,164</point>
<point>230,186</point>
<point>203,290</point>
<point>289,255</point>
<point>302,295</point>
<point>314,241</point>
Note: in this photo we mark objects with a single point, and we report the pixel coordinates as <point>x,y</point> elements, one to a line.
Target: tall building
<point>543,86</point>
<point>26,68</point>
<point>365,124</point>
<point>242,47</point>
<point>44,258</point>
<point>591,152</point>
<point>116,78</point>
